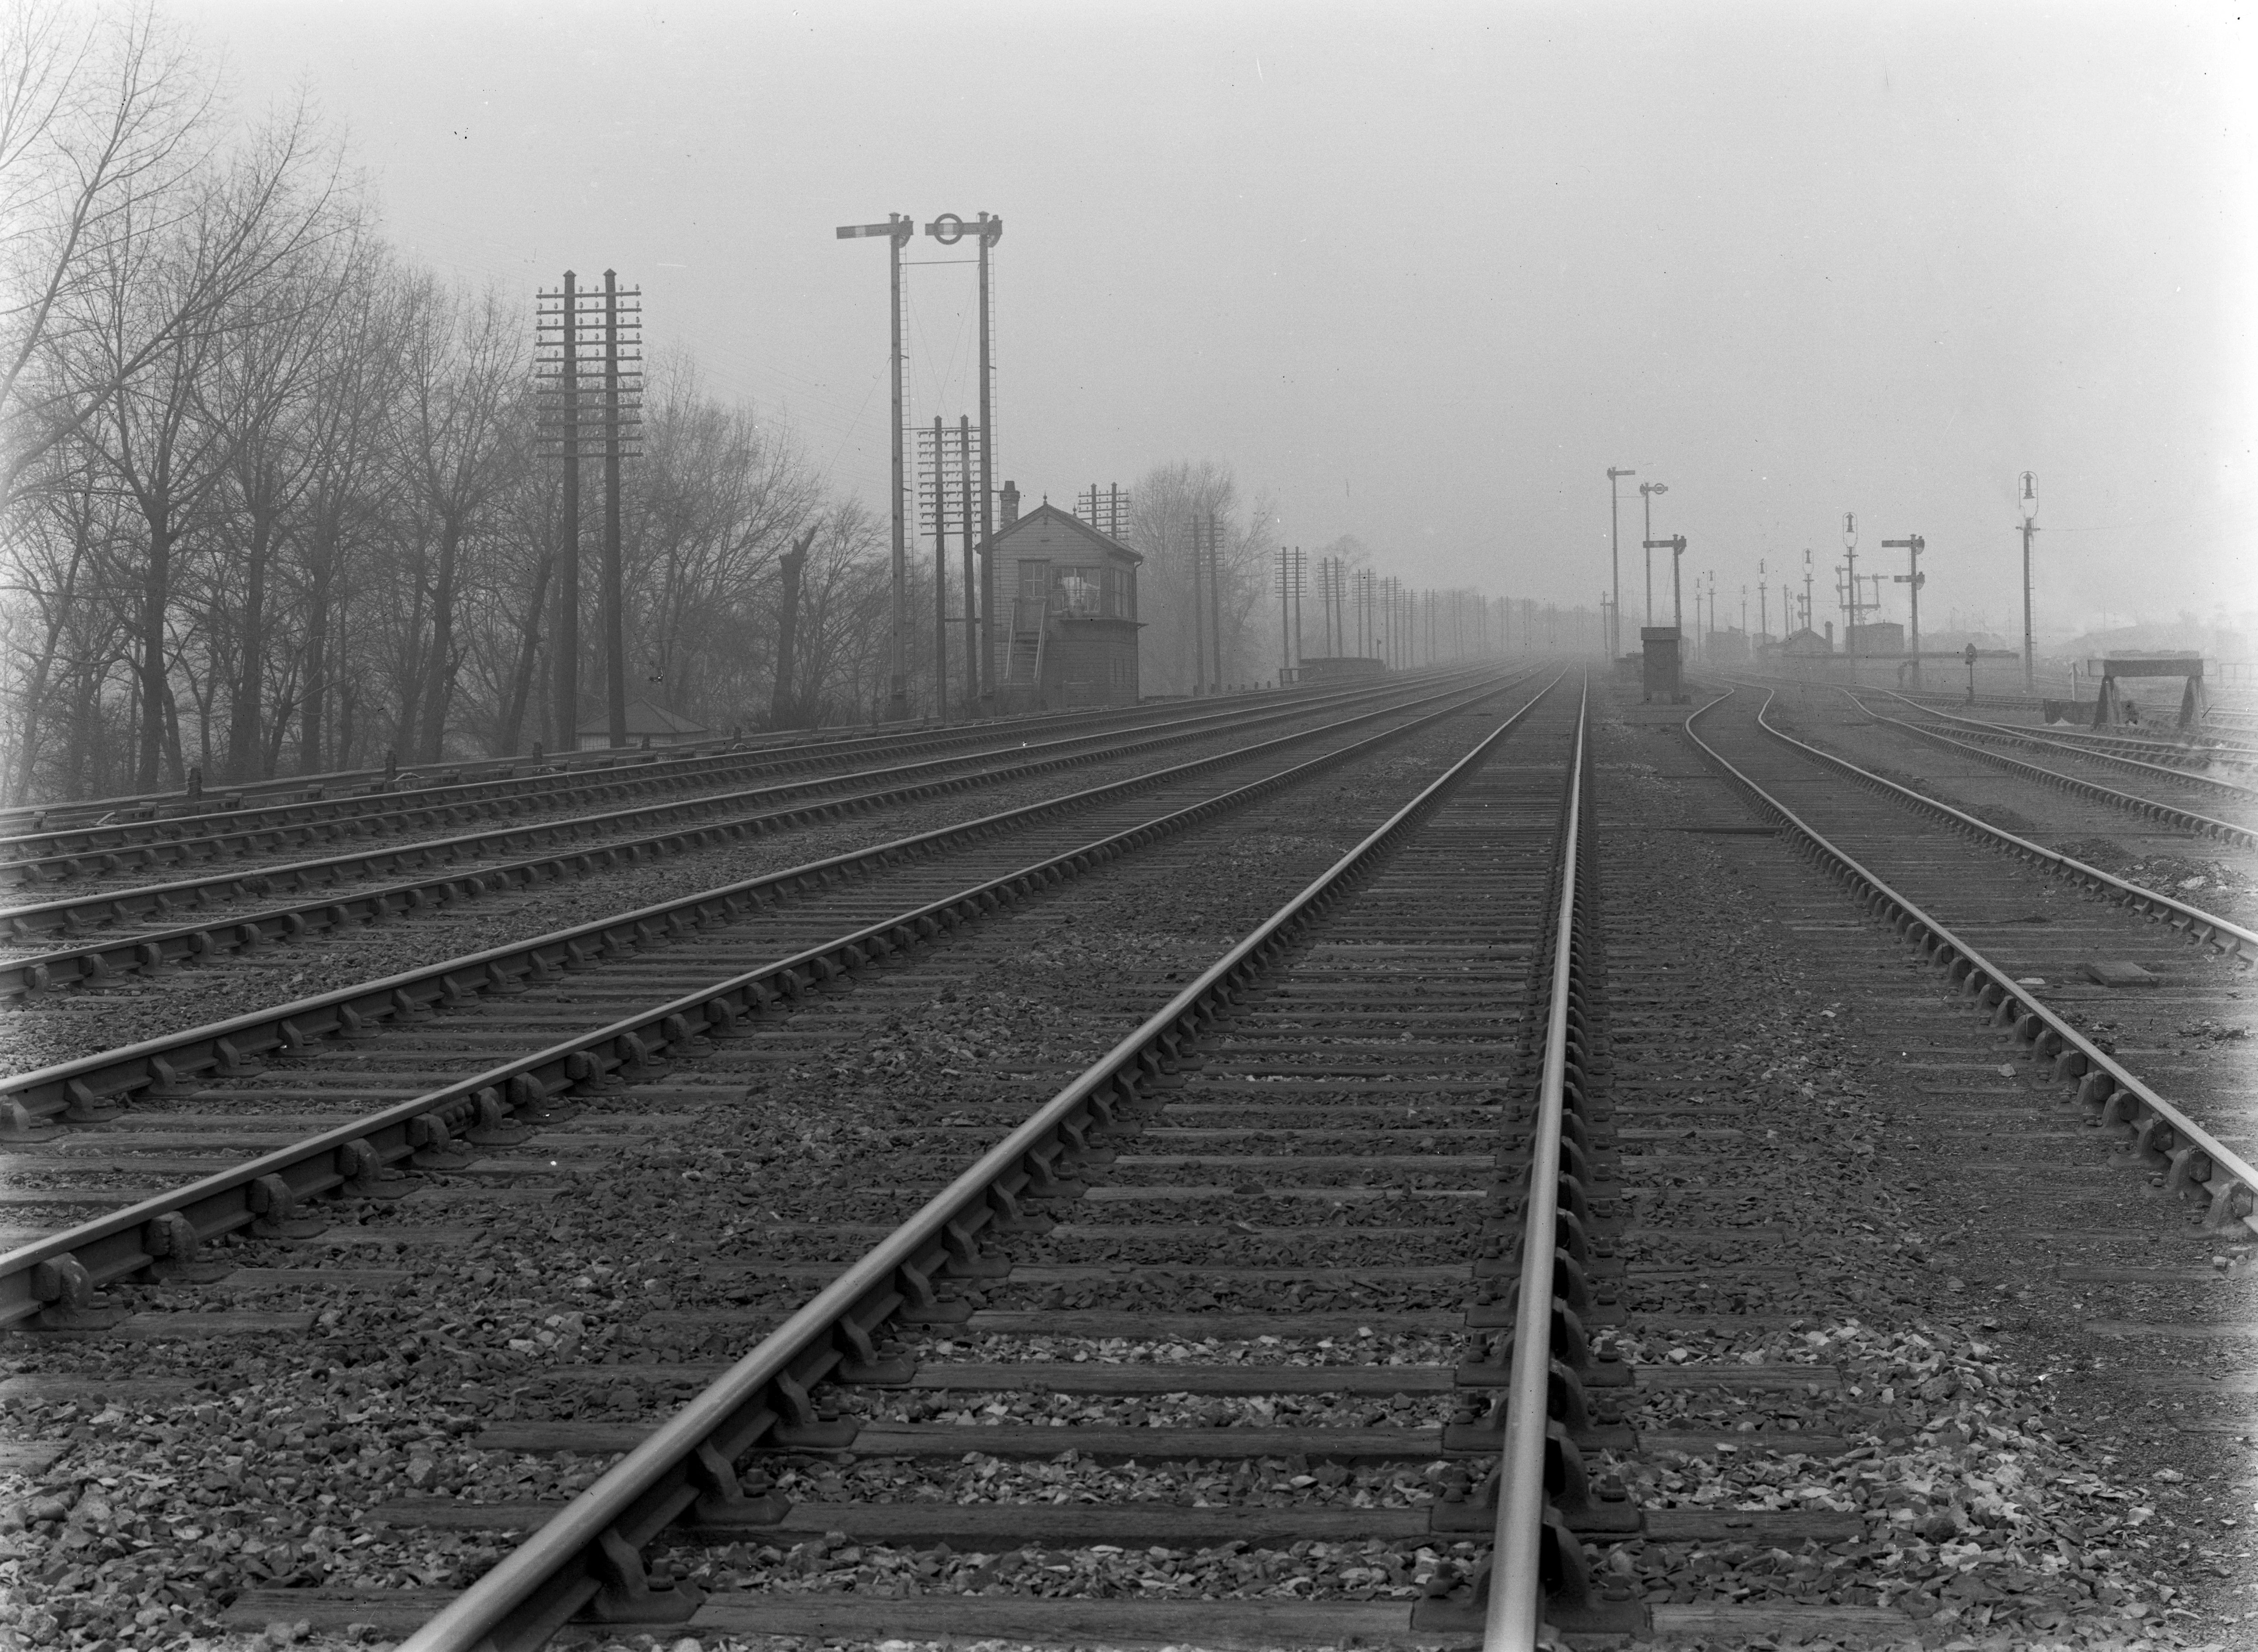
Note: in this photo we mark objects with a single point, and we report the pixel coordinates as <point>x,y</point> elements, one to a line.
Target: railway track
<point>1162,1144</point>
<point>1210,1346</point>
<point>2168,800</point>
<point>90,1089</point>
<point>1522,807</point>
<point>2111,986</point>
<point>836,741</point>
<point>2176,765</point>
<point>2193,751</point>
<point>211,834</point>
<point>337,893</point>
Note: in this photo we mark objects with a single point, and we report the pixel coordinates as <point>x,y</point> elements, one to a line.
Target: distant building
<point>1729,647</point>
<point>1806,642</point>
<point>1337,668</point>
<point>1882,637</point>
<point>1066,595</point>
<point>647,724</point>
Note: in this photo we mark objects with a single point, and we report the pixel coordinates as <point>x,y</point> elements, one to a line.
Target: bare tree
<point>716,498</point>
<point>184,280</point>
<point>462,437</point>
<point>263,395</point>
<point>1168,503</point>
<point>342,430</point>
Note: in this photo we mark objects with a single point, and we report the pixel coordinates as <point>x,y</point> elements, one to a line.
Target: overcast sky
<point>1420,274</point>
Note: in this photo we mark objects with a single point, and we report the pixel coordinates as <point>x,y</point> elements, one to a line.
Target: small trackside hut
<point>647,726</point>
<point>1069,605</point>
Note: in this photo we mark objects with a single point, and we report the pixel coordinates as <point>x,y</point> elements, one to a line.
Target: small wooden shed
<point>647,724</point>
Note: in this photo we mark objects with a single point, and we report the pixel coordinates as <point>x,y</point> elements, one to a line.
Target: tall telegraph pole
<point>561,317</point>
<point>1215,599</point>
<point>972,632</point>
<point>941,569</point>
<point>1199,616</point>
<point>621,381</point>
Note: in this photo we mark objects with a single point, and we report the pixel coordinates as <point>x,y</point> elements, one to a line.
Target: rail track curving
<point>2175,813</point>
<point>2082,985</point>
<point>2178,764</point>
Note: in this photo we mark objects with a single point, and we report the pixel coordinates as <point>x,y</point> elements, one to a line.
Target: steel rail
<point>56,1277</point>
<point>2160,1136</point>
<point>1936,703</point>
<point>194,942</point>
<point>83,1091</point>
<point>1514,1621</point>
<point>2089,753</point>
<point>2198,926</point>
<point>2092,789</point>
<point>83,851</point>
<point>472,770</point>
<point>588,1553</point>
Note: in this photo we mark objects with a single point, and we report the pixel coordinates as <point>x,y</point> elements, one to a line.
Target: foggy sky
<point>1419,273</point>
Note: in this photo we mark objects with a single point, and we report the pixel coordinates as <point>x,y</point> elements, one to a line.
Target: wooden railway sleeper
<point>1600,1507</point>
<point>1595,1367</point>
<point>1574,1602</point>
<point>1593,1423</point>
<point>1497,1300</point>
<point>1500,1252</point>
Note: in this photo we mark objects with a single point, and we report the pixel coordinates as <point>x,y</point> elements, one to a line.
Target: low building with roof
<point>647,726</point>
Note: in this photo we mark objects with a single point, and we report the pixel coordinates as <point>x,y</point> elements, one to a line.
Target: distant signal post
<point>1912,579</point>
<point>898,230</point>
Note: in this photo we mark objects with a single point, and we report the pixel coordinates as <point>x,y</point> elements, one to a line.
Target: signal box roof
<point>1051,532</point>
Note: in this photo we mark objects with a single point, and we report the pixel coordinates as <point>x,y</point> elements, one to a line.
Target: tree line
<point>273,500</point>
